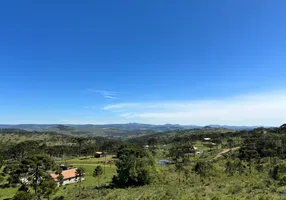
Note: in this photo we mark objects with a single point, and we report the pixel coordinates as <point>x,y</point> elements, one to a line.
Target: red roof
<point>70,173</point>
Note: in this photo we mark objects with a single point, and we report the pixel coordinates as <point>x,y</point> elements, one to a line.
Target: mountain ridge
<point>126,126</point>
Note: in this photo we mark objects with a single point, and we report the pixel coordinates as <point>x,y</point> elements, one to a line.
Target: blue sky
<point>187,62</point>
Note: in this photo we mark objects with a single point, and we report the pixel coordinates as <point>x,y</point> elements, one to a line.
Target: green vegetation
<point>135,167</point>
<point>247,164</point>
<point>98,171</point>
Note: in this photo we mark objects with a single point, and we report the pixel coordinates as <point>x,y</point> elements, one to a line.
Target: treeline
<point>70,146</point>
<point>183,136</point>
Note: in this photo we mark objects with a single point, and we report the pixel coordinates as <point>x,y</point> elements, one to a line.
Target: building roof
<point>70,173</point>
<point>98,152</point>
<point>207,139</point>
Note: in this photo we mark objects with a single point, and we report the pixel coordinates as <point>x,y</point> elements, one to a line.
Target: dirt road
<point>226,151</point>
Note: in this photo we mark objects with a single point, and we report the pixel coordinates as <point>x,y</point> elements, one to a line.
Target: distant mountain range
<point>127,127</point>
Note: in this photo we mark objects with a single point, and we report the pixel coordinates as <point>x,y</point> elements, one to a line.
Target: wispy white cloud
<point>116,107</point>
<point>106,94</point>
<point>251,109</point>
<point>110,97</point>
<point>127,115</point>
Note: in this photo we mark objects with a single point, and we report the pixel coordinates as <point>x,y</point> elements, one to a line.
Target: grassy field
<point>90,181</point>
<point>7,192</point>
<point>89,164</point>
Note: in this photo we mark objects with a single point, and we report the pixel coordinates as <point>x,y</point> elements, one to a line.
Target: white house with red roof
<point>70,176</point>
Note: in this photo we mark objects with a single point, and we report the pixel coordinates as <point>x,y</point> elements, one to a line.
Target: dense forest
<point>200,163</point>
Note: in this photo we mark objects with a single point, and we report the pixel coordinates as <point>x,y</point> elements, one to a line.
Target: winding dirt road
<point>226,151</point>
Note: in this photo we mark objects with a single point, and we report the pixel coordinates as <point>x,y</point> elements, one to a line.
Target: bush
<point>278,173</point>
<point>59,198</point>
<point>21,195</point>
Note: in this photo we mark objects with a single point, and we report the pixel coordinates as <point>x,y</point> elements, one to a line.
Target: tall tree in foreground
<point>32,171</point>
<point>97,173</point>
<point>47,188</point>
<point>135,167</point>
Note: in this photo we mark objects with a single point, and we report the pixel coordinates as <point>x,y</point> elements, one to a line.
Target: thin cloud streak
<point>267,109</point>
<point>106,94</point>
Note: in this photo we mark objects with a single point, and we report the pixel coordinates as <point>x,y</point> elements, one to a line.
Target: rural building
<point>70,177</point>
<point>98,154</point>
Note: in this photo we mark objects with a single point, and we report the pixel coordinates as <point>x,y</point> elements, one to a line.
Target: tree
<point>1,161</point>
<point>187,173</point>
<point>32,171</point>
<point>202,168</point>
<point>47,188</point>
<point>152,141</point>
<point>230,143</point>
<point>248,152</point>
<point>80,141</point>
<point>239,166</point>
<point>180,151</point>
<point>60,178</point>
<point>179,167</point>
<point>230,167</point>
<point>97,173</point>
<point>135,167</point>
<point>21,195</point>
<point>278,173</point>
<point>80,174</point>
<point>23,149</point>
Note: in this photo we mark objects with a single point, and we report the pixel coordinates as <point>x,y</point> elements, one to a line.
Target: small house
<point>98,154</point>
<point>69,176</point>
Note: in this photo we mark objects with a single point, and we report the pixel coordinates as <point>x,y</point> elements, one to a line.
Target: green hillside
<point>210,163</point>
